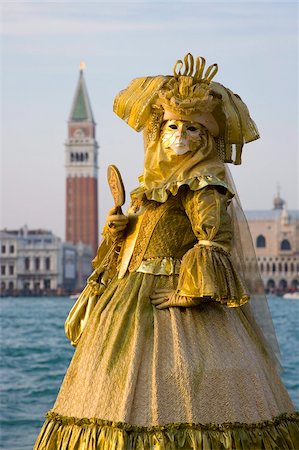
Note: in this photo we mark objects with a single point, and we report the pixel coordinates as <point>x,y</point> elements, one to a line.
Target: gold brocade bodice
<point>172,235</point>
<point>167,231</point>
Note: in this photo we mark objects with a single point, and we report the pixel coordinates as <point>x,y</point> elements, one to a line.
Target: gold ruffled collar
<point>161,193</point>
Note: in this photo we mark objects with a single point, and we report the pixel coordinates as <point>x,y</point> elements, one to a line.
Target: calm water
<point>35,355</point>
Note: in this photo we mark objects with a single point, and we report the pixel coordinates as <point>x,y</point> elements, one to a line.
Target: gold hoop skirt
<point>179,378</point>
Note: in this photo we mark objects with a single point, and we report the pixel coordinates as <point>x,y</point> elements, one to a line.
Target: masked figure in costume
<point>175,345</point>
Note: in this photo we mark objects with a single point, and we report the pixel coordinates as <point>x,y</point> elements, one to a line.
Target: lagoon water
<point>35,355</point>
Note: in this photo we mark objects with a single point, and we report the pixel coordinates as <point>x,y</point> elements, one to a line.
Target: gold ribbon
<point>129,244</point>
<point>212,244</point>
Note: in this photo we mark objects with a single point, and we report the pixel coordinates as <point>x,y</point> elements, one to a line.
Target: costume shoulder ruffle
<point>161,193</point>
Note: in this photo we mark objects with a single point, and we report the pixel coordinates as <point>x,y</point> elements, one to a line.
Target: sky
<point>42,44</point>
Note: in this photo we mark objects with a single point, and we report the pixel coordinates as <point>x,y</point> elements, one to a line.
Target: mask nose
<point>181,132</point>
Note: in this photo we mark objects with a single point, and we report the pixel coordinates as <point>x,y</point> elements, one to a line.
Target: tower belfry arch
<point>81,163</point>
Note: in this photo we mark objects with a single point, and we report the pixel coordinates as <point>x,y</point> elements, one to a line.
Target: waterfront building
<point>8,261</point>
<point>37,262</point>
<point>275,235</point>
<point>76,266</point>
<point>81,156</point>
<point>29,261</point>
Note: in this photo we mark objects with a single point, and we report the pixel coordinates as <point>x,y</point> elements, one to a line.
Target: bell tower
<point>81,154</point>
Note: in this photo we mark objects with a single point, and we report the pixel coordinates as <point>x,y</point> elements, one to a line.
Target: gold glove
<point>116,223</point>
<point>165,298</point>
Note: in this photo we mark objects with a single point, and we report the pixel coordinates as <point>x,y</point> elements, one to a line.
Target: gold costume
<point>196,376</point>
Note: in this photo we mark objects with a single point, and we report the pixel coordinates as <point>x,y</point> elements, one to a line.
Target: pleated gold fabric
<point>208,272</point>
<point>162,193</point>
<point>134,103</point>
<point>280,433</point>
<point>206,269</point>
<point>147,367</point>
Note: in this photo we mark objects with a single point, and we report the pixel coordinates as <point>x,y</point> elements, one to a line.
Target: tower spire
<point>278,201</point>
<point>81,151</point>
<point>82,66</point>
<point>81,107</point>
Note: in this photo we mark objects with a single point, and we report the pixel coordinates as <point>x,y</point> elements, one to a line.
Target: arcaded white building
<point>36,262</point>
<point>275,236</point>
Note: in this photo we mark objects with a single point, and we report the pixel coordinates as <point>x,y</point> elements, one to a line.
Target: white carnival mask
<point>181,136</point>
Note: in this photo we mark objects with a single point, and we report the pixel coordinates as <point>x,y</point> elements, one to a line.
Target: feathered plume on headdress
<point>190,92</point>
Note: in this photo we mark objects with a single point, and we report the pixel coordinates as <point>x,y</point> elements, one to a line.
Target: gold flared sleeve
<point>79,315</point>
<point>206,269</point>
<point>105,265</point>
<point>84,306</point>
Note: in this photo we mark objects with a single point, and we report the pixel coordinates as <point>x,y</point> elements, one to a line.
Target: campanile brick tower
<point>81,151</point>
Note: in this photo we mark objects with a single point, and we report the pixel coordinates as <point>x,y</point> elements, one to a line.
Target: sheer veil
<point>257,311</point>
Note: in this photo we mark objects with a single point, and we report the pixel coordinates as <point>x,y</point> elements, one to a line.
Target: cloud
<point>65,19</point>
<point>38,22</point>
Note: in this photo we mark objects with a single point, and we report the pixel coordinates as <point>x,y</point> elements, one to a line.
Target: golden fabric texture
<point>163,192</point>
<point>134,104</point>
<point>206,269</point>
<point>280,433</point>
<point>165,243</point>
<point>173,235</point>
<point>132,231</point>
<point>208,272</point>
<point>80,314</point>
<point>146,367</point>
<point>190,91</point>
<point>105,264</point>
<point>150,218</point>
<point>82,309</point>
<point>160,266</point>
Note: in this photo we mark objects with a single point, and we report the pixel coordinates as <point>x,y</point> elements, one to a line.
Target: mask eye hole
<point>191,128</point>
<point>173,126</point>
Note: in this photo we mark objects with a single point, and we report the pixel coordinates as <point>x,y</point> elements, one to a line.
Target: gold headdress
<point>190,94</point>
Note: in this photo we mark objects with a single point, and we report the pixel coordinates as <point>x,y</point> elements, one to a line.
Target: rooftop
<point>25,232</point>
<point>271,214</point>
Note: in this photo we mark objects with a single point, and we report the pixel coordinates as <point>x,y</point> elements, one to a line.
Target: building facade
<point>81,162</point>
<point>30,261</point>
<point>36,262</point>
<point>275,235</point>
<point>8,261</point>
